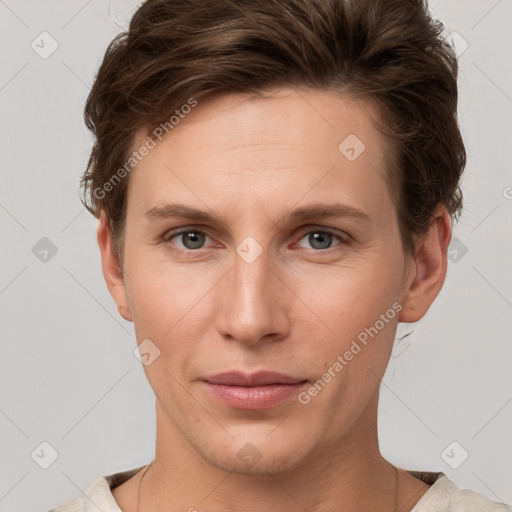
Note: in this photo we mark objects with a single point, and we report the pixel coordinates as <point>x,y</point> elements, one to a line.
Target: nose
<point>254,302</point>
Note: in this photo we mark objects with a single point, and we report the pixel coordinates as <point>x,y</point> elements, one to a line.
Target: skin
<point>294,309</point>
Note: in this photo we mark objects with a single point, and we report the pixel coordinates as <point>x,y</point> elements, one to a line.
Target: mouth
<point>256,391</point>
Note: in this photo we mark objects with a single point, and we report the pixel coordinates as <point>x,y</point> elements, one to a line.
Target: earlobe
<point>112,269</point>
<point>430,261</point>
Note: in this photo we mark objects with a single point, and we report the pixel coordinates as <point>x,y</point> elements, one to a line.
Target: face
<point>256,283</point>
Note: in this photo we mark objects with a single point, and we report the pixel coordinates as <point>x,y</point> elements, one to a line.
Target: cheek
<point>344,299</point>
<point>170,305</point>
<point>348,325</point>
<point>164,308</point>
<point>350,360</point>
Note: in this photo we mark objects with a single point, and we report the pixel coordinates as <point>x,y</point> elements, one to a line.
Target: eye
<point>321,239</point>
<point>191,239</point>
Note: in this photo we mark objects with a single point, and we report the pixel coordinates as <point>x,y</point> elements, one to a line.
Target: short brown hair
<point>389,51</point>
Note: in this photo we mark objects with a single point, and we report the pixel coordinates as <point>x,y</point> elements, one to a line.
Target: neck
<point>349,471</point>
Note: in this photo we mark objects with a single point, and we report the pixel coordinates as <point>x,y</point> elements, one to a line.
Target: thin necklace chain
<point>140,484</point>
<point>146,470</point>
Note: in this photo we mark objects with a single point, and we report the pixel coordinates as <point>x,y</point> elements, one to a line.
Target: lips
<point>263,378</point>
<point>256,391</point>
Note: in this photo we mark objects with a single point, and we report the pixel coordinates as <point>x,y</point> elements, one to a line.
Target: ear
<point>429,268</point>
<point>111,268</point>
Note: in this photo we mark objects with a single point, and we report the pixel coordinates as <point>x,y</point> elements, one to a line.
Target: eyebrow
<point>310,212</point>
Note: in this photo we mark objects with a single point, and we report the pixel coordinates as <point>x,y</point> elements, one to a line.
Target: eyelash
<point>344,240</point>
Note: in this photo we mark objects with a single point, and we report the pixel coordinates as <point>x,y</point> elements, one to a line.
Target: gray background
<point>68,374</point>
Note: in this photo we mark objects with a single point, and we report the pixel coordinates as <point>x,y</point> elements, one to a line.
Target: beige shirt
<point>443,496</point>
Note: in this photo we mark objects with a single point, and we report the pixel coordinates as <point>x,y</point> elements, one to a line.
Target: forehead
<point>255,153</point>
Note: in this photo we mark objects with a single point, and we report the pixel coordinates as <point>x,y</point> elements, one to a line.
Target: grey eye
<point>191,239</point>
<point>319,239</point>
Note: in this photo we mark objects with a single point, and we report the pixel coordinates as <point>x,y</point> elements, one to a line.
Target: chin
<point>274,463</point>
<point>256,451</point>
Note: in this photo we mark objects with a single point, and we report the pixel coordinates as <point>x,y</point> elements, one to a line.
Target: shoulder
<point>468,501</point>
<point>98,496</point>
<point>445,496</point>
<point>75,505</point>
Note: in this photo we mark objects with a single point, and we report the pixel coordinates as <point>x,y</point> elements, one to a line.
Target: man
<point>275,184</point>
